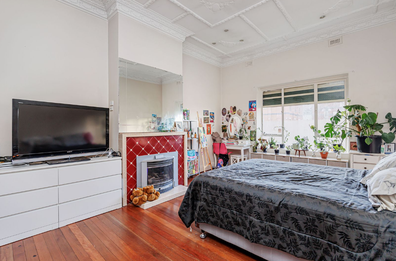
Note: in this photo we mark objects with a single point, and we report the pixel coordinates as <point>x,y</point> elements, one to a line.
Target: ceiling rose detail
<point>215,6</point>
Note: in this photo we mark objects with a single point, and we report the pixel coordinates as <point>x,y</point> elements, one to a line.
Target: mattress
<point>310,211</point>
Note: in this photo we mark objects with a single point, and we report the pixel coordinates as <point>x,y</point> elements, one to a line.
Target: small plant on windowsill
<point>288,149</point>
<point>272,143</point>
<point>302,143</point>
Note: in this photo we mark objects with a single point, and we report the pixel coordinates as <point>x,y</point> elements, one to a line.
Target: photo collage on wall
<point>208,120</point>
<point>248,118</point>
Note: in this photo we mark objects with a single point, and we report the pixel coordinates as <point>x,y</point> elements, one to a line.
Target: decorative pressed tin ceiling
<point>226,32</point>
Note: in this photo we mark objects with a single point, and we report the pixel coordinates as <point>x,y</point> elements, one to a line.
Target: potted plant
<point>365,125</point>
<point>276,150</point>
<point>255,145</point>
<point>272,143</point>
<point>264,145</point>
<point>302,142</point>
<point>286,136</point>
<point>338,150</point>
<point>324,152</point>
<point>288,149</point>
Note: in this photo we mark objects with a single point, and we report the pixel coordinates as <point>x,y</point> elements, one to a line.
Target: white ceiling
<point>255,27</point>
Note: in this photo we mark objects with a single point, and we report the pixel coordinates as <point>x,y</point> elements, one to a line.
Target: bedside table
<point>360,160</point>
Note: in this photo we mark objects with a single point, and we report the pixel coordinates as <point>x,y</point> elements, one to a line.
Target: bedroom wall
<point>47,56</point>
<point>368,57</point>
<point>201,91</point>
<point>143,44</point>
<point>138,101</point>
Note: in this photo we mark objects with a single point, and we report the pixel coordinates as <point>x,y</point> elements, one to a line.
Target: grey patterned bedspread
<point>310,211</point>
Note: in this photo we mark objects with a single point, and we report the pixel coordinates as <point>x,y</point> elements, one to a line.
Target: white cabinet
<point>365,160</point>
<point>36,199</point>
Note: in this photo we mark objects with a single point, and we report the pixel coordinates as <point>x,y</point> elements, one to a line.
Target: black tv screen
<point>45,129</point>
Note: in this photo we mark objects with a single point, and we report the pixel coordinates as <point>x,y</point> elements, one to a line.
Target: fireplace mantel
<point>148,143</point>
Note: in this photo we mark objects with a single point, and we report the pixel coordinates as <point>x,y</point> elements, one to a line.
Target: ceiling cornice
<point>87,6</point>
<point>137,11</point>
<point>132,9</point>
<point>192,50</point>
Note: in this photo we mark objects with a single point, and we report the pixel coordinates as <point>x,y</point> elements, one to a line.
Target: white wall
<point>143,44</point>
<point>172,99</point>
<point>368,57</point>
<point>201,91</point>
<point>138,101</point>
<point>50,52</point>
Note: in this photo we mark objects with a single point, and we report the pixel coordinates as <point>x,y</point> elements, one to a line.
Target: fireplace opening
<point>159,170</point>
<point>160,174</point>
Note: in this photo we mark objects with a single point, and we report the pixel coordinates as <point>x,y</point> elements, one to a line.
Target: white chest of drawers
<point>364,160</point>
<point>35,199</point>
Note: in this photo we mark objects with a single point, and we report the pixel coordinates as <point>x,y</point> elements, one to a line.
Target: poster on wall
<point>224,111</point>
<point>208,129</point>
<point>251,115</point>
<point>186,115</point>
<point>223,128</point>
<point>252,105</point>
<point>206,119</point>
<point>206,113</point>
<point>211,117</point>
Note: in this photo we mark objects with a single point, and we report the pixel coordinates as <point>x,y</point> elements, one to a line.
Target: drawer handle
<point>365,167</point>
<point>365,158</point>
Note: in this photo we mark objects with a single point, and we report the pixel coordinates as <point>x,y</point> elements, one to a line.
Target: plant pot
<point>287,152</point>
<point>324,154</point>
<point>282,146</point>
<point>276,151</point>
<point>265,150</point>
<point>374,147</point>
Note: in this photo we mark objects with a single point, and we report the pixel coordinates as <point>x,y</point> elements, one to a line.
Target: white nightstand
<point>360,160</point>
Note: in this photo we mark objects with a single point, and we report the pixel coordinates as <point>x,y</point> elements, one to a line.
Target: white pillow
<point>382,189</point>
<point>385,163</point>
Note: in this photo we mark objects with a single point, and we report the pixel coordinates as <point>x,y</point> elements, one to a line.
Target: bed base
<point>270,254</point>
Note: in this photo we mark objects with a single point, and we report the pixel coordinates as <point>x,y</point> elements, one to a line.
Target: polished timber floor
<point>129,233</point>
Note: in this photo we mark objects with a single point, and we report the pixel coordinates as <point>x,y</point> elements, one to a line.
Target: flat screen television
<point>41,129</point>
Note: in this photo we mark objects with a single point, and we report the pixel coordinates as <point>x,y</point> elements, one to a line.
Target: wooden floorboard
<point>129,233</point>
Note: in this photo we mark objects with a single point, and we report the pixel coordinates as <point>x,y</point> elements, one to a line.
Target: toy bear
<point>138,197</point>
<point>151,193</point>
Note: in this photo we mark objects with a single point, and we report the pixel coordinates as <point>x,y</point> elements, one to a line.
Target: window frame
<point>315,82</point>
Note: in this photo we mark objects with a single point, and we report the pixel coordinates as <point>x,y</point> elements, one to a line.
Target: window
<point>296,108</point>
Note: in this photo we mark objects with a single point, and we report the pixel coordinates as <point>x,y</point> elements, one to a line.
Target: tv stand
<point>67,160</point>
<point>36,199</point>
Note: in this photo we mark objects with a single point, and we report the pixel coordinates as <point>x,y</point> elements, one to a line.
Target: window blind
<point>298,95</point>
<point>331,91</point>
<point>271,98</point>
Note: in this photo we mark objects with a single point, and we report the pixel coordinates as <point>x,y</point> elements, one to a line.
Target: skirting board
<point>174,193</point>
<point>270,254</point>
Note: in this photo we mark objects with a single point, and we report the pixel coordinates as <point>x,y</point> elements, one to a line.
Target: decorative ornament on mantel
<point>215,6</point>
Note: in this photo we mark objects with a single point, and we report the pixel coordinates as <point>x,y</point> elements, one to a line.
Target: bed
<point>309,211</point>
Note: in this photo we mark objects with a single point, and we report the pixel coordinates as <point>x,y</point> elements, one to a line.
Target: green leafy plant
<point>302,142</point>
<point>322,142</point>
<point>338,128</point>
<point>365,123</point>
<point>272,143</point>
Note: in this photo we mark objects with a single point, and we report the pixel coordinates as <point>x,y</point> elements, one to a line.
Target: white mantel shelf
<point>122,138</point>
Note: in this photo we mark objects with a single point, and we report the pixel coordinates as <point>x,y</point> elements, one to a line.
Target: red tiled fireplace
<point>140,144</point>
